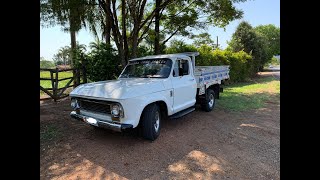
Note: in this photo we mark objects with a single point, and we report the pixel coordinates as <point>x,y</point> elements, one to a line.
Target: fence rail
<point>56,91</point>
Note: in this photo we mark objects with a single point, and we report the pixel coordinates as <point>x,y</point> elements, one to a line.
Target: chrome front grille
<point>95,106</point>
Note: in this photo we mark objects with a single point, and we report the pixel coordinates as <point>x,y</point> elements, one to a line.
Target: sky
<point>256,12</point>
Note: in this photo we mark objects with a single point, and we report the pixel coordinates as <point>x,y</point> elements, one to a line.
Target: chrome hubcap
<point>211,100</point>
<point>157,123</point>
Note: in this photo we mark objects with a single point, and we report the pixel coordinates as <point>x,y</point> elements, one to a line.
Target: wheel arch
<point>216,89</point>
<point>162,105</point>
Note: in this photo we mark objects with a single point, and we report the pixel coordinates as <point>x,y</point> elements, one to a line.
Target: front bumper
<point>99,123</point>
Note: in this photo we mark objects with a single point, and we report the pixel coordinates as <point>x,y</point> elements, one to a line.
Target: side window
<point>184,65</point>
<point>181,68</point>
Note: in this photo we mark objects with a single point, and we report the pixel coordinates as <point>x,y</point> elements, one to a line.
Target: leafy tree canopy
<point>271,34</point>
<point>247,39</point>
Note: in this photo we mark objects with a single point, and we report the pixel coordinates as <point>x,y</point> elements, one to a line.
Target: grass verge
<point>250,95</point>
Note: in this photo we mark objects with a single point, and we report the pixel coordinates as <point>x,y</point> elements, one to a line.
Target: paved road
<point>275,68</point>
<point>275,74</point>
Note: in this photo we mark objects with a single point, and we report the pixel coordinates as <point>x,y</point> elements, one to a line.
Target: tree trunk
<point>157,31</point>
<point>73,47</point>
<point>114,26</point>
<point>137,14</point>
<point>73,56</point>
<point>121,56</point>
<point>124,32</point>
<point>134,43</point>
<point>108,24</point>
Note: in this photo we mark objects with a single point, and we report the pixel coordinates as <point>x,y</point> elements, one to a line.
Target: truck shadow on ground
<point>212,145</point>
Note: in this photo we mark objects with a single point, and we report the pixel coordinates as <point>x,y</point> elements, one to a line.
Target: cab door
<point>184,85</point>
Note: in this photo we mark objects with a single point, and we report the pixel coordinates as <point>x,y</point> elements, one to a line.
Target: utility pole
<point>217,42</point>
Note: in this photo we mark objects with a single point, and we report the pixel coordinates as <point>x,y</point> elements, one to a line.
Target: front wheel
<point>209,102</point>
<point>151,122</point>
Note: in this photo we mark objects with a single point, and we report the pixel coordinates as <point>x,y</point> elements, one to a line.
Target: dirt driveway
<point>215,145</point>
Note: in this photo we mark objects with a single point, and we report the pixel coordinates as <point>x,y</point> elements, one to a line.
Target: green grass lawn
<point>61,75</point>
<point>250,95</point>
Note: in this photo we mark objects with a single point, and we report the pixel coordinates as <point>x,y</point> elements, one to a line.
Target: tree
<point>72,15</point>
<point>57,60</point>
<point>107,25</point>
<point>63,56</point>
<point>157,27</point>
<point>182,17</point>
<point>201,39</point>
<point>175,17</point>
<point>149,41</point>
<point>46,63</point>
<point>103,62</point>
<point>42,58</point>
<point>111,15</point>
<point>245,38</point>
<point>136,16</point>
<point>271,34</point>
<point>128,23</point>
<point>179,46</point>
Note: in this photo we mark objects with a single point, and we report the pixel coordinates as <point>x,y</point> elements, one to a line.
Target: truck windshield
<point>149,68</point>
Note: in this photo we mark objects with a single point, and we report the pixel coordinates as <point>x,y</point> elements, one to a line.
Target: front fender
<point>134,107</point>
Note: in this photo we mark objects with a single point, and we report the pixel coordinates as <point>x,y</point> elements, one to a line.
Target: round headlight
<point>74,103</point>
<point>115,110</point>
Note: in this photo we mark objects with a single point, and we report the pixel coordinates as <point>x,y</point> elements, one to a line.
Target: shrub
<point>206,57</point>
<point>177,46</point>
<point>241,63</point>
<point>102,62</point>
<point>274,61</point>
<point>144,51</point>
<point>46,64</point>
<point>247,39</point>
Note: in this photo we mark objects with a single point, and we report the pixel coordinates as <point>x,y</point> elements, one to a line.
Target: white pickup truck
<point>149,90</point>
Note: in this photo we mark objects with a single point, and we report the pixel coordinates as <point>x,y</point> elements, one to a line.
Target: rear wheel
<point>209,101</point>
<point>151,122</point>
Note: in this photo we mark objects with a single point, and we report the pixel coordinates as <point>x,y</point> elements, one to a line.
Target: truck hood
<point>119,89</point>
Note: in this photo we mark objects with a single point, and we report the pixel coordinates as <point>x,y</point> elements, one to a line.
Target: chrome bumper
<point>99,123</point>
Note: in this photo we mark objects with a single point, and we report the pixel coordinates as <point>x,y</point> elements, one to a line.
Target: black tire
<point>150,127</point>
<point>207,105</point>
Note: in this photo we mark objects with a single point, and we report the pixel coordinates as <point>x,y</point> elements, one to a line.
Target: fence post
<point>52,81</point>
<point>55,89</point>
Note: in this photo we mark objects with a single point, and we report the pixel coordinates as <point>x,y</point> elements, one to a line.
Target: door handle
<point>191,79</point>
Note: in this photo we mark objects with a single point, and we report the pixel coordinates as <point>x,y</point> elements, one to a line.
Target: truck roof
<point>177,55</point>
